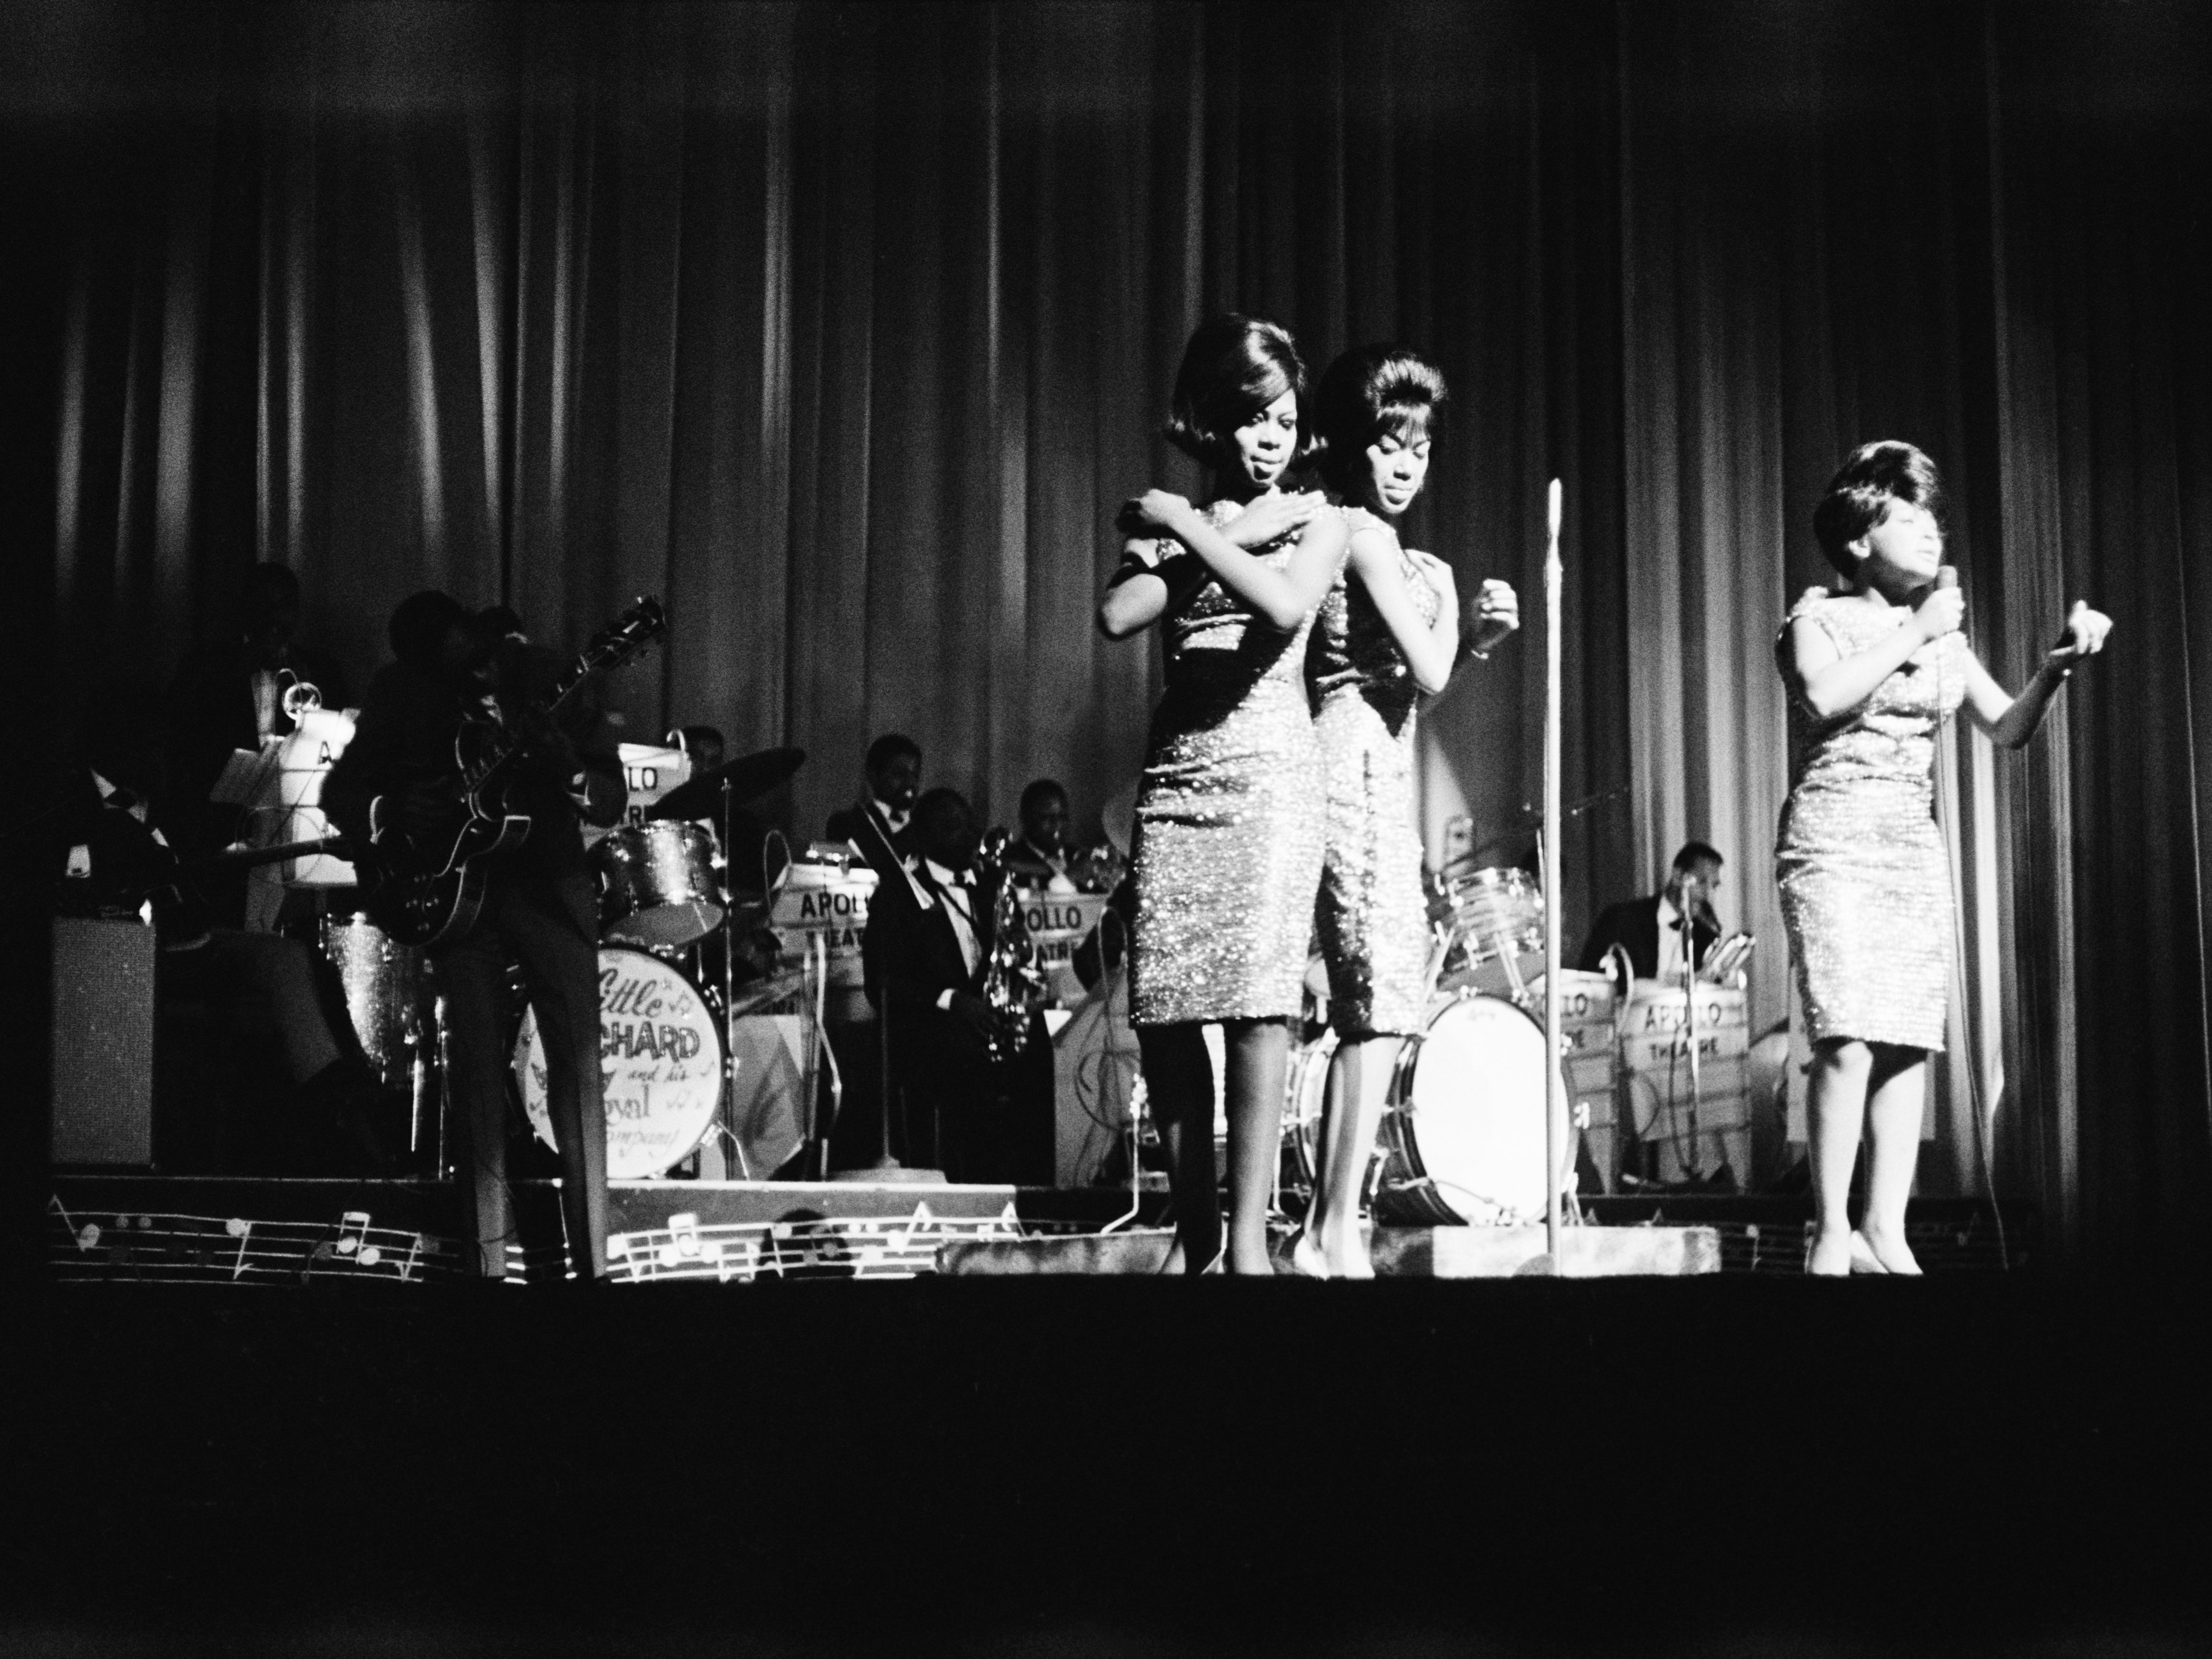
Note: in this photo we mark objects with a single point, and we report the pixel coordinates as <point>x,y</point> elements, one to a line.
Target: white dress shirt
<point>1670,940</point>
<point>960,912</point>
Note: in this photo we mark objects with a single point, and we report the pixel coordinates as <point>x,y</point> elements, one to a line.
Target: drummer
<point>1650,931</point>
<point>1039,856</point>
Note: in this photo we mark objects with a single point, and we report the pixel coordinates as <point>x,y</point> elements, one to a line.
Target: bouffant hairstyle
<point>1859,497</point>
<point>1368,392</point>
<point>1233,367</point>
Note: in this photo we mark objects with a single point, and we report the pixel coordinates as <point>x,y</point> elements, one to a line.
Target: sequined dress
<point>1228,814</point>
<point>1371,916</point>
<point>1866,885</point>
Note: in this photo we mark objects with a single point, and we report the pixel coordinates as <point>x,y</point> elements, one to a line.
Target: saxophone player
<point>979,1117</point>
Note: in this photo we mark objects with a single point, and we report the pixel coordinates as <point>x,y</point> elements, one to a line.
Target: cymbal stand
<point>730,992</point>
<point>819,1126</point>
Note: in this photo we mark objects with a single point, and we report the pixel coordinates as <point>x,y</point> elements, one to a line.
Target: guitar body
<point>427,900</point>
<point>426,908</point>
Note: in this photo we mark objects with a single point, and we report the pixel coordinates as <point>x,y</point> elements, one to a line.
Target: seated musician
<point>876,825</point>
<point>1652,930</point>
<point>538,906</point>
<point>926,949</point>
<point>1039,855</point>
<point>230,696</point>
<point>111,857</point>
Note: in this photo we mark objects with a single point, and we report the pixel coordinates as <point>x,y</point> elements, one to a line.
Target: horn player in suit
<point>929,937</point>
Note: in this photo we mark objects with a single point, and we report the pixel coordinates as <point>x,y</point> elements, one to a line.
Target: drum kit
<point>669,914</point>
<point>1461,1141</point>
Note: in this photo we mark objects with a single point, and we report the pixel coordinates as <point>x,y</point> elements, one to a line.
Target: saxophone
<point>1013,985</point>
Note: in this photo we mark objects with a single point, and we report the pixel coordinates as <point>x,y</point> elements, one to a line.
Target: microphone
<point>1946,576</point>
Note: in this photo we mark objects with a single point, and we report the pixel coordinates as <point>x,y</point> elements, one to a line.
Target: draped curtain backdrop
<point>846,329</point>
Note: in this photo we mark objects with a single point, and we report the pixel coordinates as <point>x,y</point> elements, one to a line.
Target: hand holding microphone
<point>1943,608</point>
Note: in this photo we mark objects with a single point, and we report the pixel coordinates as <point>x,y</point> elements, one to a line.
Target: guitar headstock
<point>624,637</point>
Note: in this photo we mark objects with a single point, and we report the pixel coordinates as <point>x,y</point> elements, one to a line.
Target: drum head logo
<point>660,1065</point>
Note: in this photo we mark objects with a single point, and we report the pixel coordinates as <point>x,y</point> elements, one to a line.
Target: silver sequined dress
<point>1229,815</point>
<point>1866,885</point>
<point>1371,916</point>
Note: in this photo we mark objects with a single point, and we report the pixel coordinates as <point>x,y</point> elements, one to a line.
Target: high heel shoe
<point>1306,1259</point>
<point>1879,1264</point>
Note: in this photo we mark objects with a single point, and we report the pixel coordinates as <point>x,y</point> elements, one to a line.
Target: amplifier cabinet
<point>103,1042</point>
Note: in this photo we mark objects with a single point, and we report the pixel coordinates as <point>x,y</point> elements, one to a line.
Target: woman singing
<point>1873,670</point>
<point>1229,813</point>
<point>1387,632</point>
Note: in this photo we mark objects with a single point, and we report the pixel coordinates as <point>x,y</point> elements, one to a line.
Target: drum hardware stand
<point>819,1052</point>
<point>730,994</point>
<point>444,1169</point>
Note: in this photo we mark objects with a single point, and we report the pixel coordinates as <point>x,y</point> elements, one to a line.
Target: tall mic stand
<point>1693,1165</point>
<point>1555,1099</point>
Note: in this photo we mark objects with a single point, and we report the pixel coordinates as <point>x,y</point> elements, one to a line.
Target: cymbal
<point>747,776</point>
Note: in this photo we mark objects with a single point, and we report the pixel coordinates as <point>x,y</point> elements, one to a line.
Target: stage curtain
<point>845,328</point>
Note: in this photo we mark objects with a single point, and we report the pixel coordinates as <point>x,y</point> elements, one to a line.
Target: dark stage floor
<point>1735,1464</point>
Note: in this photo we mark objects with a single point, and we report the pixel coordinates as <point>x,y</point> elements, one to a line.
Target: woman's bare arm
<point>1280,597</point>
<point>1831,684</point>
<point>1431,649</point>
<point>2012,720</point>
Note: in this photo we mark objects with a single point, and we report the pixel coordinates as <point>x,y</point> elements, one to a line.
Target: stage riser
<point>1397,1253</point>
<point>151,1229</point>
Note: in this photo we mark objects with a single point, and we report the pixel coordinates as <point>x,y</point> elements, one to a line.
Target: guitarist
<point>539,905</point>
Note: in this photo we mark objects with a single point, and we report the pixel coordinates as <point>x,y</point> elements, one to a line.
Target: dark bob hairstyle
<point>1368,392</point>
<point>1233,367</point>
<point>1859,498</point>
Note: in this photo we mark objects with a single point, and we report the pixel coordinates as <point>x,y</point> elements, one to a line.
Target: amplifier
<point>103,1042</point>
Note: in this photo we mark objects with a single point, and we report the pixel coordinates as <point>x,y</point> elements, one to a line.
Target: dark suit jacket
<point>1634,925</point>
<point>862,825</point>
<point>997,1119</point>
<point>912,955</point>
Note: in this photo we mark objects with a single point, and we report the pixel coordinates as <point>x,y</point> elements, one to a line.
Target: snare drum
<point>1496,922</point>
<point>660,1055</point>
<point>1463,1135</point>
<point>382,980</point>
<point>657,884</point>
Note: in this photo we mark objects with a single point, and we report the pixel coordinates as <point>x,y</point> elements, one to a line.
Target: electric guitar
<point>424,895</point>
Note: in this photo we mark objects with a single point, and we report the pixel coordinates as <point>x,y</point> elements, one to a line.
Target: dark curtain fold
<point>845,328</point>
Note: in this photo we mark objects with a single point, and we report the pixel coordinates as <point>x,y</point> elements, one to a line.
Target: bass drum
<point>1463,1134</point>
<point>660,1055</point>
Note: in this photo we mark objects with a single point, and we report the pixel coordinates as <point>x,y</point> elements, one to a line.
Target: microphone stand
<point>1555,1099</point>
<point>1692,1166</point>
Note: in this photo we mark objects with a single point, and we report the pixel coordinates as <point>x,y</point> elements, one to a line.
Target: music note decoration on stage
<point>170,1248</point>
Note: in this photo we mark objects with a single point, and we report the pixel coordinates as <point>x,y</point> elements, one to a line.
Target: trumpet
<point>1013,984</point>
